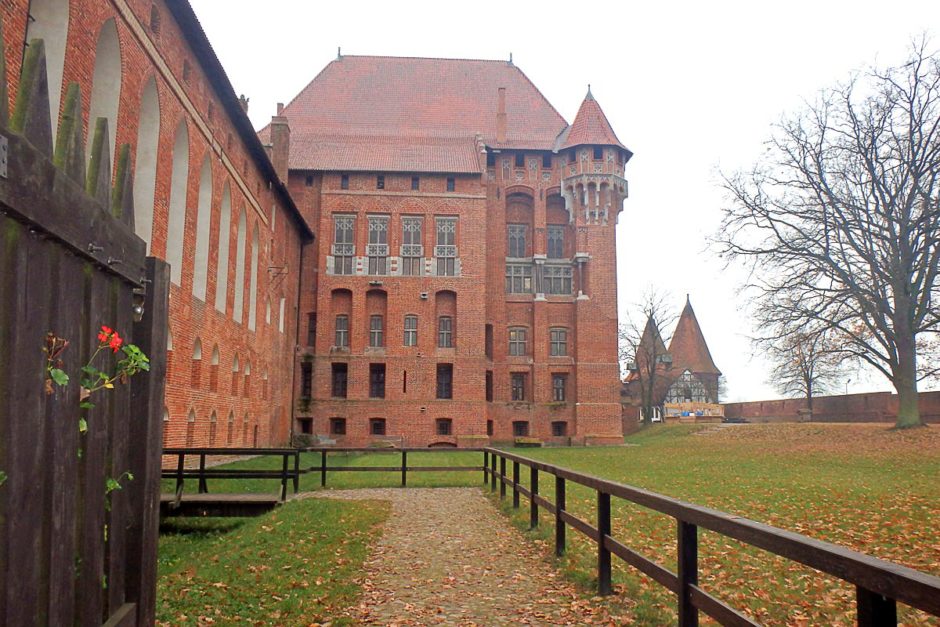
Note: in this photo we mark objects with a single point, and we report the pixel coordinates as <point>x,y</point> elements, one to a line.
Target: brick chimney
<point>501,116</point>
<point>280,143</point>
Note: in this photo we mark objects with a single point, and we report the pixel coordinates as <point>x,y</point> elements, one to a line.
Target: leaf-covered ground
<point>866,487</point>
<point>298,565</point>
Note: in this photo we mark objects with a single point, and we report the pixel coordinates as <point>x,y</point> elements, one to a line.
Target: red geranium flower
<point>115,341</point>
<point>105,334</point>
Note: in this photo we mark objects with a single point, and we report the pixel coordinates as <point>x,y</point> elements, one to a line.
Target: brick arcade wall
<point>868,407</point>
<point>159,49</point>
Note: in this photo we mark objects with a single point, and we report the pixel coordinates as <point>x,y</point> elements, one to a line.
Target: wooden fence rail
<point>403,467</point>
<point>879,584</point>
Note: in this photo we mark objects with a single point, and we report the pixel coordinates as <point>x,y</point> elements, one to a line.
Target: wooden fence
<point>403,467</point>
<point>879,584</point>
<point>71,551</point>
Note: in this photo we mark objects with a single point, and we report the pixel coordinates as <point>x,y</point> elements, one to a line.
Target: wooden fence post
<point>502,478</point>
<point>688,572</point>
<point>515,485</point>
<point>493,472</point>
<point>559,523</point>
<point>284,468</point>
<point>533,506</point>
<point>296,471</point>
<point>603,553</point>
<point>874,610</point>
<point>323,468</point>
<point>486,462</point>
<point>404,468</point>
<point>203,487</point>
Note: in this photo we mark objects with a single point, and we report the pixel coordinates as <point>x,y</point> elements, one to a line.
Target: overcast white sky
<point>688,87</point>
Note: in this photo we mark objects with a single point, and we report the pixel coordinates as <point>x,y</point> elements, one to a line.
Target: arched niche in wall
<point>253,280</point>
<point>225,228</point>
<point>176,221</point>
<point>49,21</point>
<point>105,85</point>
<point>203,218</point>
<point>145,161</point>
<point>240,266</point>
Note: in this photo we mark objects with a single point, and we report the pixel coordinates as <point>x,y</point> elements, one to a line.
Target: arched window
<point>49,21</point>
<point>213,419</point>
<point>203,216</point>
<point>105,85</point>
<point>231,427</point>
<point>196,373</point>
<point>145,166</point>
<point>247,387</point>
<point>191,427</point>
<point>240,266</point>
<point>235,376</point>
<point>214,370</point>
<point>253,280</point>
<point>225,227</point>
<point>176,223</point>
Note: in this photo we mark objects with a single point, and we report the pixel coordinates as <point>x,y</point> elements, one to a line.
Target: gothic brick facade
<point>207,199</point>
<point>462,289</point>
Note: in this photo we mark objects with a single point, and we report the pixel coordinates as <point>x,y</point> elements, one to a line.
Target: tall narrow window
<point>559,387</point>
<point>339,380</point>
<point>445,332</point>
<point>518,279</point>
<point>380,182</point>
<point>520,159</point>
<point>344,248</point>
<point>445,380</point>
<point>253,281</point>
<point>517,341</point>
<point>203,216</point>
<point>341,339</point>
<point>556,280</point>
<point>306,379</point>
<point>176,220</point>
<point>446,248</point>
<point>412,249</point>
<point>451,183</point>
<point>598,152</point>
<point>488,386</point>
<point>515,246</point>
<point>376,335</point>
<point>546,162</point>
<point>517,386</point>
<point>343,181</point>
<point>377,249</point>
<point>558,346</point>
<point>376,380</point>
<point>221,271</point>
<point>411,330</point>
<point>556,241</point>
<point>415,183</point>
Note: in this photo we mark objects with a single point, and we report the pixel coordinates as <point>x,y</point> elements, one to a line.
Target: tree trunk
<point>905,382</point>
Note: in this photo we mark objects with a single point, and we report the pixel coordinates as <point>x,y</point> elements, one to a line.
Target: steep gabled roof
<point>688,348</point>
<point>425,112</point>
<point>590,127</point>
<point>651,343</point>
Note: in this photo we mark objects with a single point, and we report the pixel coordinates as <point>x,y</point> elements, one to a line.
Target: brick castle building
<point>462,289</point>
<point>207,200</point>
<point>463,285</point>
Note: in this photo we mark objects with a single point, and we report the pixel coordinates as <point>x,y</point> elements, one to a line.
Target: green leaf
<point>59,376</point>
<point>82,425</point>
<point>86,405</point>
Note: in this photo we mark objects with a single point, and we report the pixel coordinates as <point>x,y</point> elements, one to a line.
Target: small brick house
<point>463,287</point>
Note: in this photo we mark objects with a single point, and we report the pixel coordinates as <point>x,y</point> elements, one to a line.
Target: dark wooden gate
<point>70,552</point>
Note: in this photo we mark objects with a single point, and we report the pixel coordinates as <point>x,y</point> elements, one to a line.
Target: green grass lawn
<point>861,486</point>
<point>298,565</point>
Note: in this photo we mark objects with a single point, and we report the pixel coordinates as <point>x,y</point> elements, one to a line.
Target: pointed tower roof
<point>590,126</point>
<point>688,348</point>
<point>651,338</point>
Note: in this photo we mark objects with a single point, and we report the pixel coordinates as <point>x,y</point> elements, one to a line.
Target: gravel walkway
<point>448,557</point>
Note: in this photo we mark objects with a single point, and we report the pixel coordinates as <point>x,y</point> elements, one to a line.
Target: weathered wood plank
<point>63,441</point>
<point>31,114</point>
<point>146,437</point>
<point>26,430</point>
<point>91,580</point>
<point>69,145</point>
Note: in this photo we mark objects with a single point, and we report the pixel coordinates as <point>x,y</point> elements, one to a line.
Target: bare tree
<point>840,220</point>
<point>806,364</point>
<point>643,349</point>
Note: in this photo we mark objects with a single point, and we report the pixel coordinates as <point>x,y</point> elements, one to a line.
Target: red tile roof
<point>688,348</point>
<point>590,127</point>
<point>422,114</point>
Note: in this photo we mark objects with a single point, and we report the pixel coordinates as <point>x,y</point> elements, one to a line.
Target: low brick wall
<point>868,407</point>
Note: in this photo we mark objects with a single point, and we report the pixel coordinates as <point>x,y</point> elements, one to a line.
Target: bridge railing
<point>879,584</point>
<point>402,467</point>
